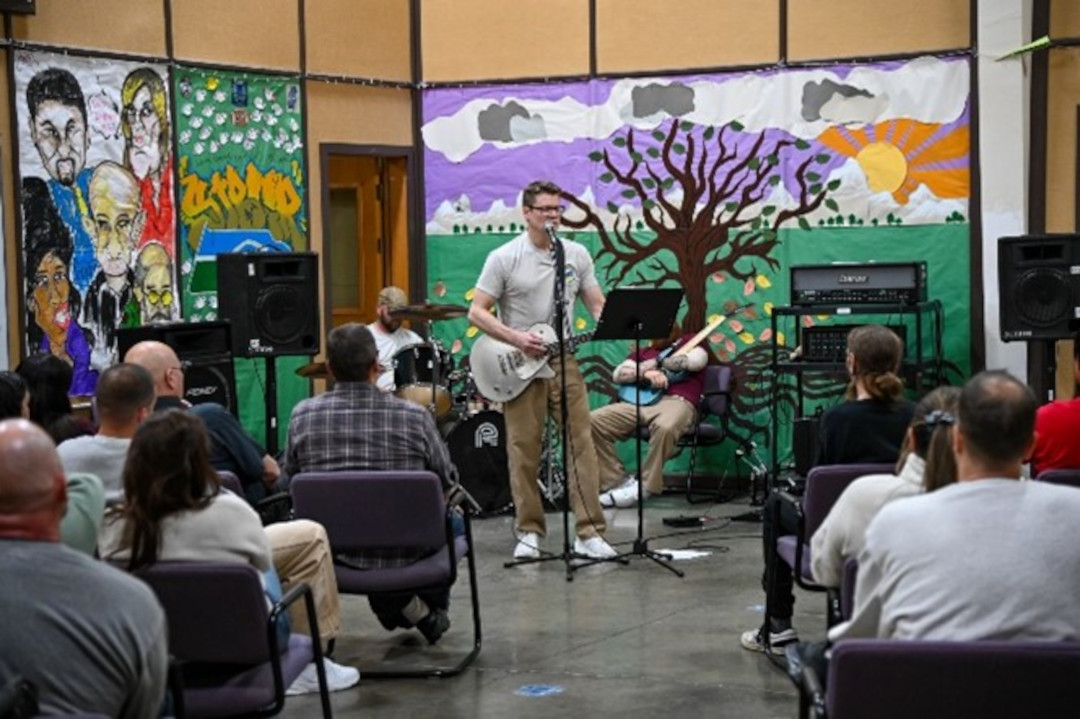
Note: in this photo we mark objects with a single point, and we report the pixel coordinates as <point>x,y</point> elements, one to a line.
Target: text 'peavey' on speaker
<point>272,300</point>
<point>1039,286</point>
<point>204,348</point>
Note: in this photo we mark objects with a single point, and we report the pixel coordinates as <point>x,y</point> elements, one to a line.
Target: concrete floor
<point>631,640</point>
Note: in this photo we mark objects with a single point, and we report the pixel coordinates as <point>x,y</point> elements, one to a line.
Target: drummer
<point>390,336</point>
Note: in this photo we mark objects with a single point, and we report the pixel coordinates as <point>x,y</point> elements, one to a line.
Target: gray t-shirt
<point>91,638</point>
<point>97,455</point>
<point>521,278</point>
<point>984,559</point>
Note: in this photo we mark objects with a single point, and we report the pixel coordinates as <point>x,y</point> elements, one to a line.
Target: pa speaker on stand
<point>1039,292</point>
<point>272,300</point>
<point>205,347</point>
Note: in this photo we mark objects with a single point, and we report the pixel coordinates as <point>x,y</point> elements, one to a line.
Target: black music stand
<point>640,313</point>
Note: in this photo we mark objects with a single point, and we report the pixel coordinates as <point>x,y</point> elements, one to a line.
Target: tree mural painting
<point>710,204</point>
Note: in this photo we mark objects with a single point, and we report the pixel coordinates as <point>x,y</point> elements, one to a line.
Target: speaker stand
<point>271,407</point>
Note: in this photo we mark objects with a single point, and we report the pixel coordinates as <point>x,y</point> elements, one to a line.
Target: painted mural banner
<point>96,192</point>
<point>717,184</point>
<point>241,185</point>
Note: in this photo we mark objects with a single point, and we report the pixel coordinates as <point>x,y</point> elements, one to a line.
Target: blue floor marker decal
<point>539,690</point>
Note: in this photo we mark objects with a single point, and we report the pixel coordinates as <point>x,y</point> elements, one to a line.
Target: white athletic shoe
<point>626,496</point>
<point>594,548</point>
<point>338,677</point>
<point>607,499</point>
<point>528,546</point>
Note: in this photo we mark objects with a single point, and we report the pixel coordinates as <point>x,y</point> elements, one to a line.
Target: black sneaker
<point>434,625</point>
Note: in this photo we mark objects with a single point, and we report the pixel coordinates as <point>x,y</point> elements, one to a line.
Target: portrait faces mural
<point>96,192</point>
<point>717,184</point>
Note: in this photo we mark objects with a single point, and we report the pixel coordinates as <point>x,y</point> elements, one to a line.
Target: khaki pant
<point>301,553</point>
<point>525,418</point>
<point>667,420</point>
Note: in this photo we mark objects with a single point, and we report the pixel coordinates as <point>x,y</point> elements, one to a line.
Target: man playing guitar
<point>520,277</point>
<point>673,370</point>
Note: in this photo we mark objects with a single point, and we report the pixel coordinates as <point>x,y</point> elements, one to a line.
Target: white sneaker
<point>626,496</point>
<point>607,499</point>
<point>528,546</point>
<point>594,548</point>
<point>338,677</point>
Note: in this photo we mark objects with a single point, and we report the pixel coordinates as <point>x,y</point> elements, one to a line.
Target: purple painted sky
<point>491,174</point>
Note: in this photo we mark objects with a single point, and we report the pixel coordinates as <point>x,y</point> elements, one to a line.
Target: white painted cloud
<point>758,101</point>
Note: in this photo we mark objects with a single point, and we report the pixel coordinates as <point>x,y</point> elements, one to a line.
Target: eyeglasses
<point>154,297</point>
<point>183,367</point>
<point>548,209</point>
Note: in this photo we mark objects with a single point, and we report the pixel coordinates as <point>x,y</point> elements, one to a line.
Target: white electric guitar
<point>502,371</point>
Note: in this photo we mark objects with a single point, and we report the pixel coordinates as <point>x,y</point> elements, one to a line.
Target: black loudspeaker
<point>205,347</point>
<point>272,300</point>
<point>1039,286</point>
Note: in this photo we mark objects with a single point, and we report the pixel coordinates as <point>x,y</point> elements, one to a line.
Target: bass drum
<point>478,449</point>
<point>422,374</point>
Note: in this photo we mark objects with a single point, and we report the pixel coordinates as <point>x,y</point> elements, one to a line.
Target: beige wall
<point>1061,169</point>
<point>134,26</point>
<point>253,33</point>
<point>861,28</point>
<point>643,35</point>
<point>359,38</point>
<point>499,39</point>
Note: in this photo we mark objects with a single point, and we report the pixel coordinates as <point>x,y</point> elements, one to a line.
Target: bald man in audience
<point>231,449</point>
<point>989,557</point>
<point>90,638</point>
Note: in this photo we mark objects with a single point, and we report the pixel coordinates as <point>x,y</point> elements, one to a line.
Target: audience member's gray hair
<point>351,352</point>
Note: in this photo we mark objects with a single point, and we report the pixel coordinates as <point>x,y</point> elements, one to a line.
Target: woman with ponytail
<point>926,464</point>
<point>870,426</point>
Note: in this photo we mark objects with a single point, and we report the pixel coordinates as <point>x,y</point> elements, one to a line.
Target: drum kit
<point>473,428</point>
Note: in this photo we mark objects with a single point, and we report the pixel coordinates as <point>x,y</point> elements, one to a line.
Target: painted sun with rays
<point>899,155</point>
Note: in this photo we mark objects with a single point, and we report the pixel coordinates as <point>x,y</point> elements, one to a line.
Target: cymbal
<point>314,370</point>
<point>429,311</point>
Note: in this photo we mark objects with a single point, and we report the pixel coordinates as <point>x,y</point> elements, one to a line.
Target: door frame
<point>416,244</point>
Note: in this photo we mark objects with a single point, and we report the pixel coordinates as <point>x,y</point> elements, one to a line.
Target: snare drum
<point>415,376</point>
<point>478,449</point>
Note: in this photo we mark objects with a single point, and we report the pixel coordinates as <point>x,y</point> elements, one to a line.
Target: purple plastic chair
<point>225,639</point>
<point>824,485</point>
<point>390,510</point>
<point>1067,477</point>
<point>847,588</point>
<point>890,679</point>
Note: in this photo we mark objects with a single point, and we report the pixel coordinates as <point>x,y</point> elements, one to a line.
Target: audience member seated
<point>85,494</point>
<point>926,465</point>
<point>681,378</point>
<point>48,378</point>
<point>868,428</point>
<point>174,509</point>
<point>231,449</point>
<point>14,396</point>
<point>90,638</point>
<point>355,426</point>
<point>989,557</point>
<point>1057,428</point>
<point>124,398</point>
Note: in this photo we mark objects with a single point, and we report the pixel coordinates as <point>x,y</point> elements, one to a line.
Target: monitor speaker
<point>804,443</point>
<point>1039,286</point>
<point>272,300</point>
<point>206,350</point>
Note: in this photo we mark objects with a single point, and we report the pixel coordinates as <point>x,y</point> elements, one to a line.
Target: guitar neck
<point>697,339</point>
